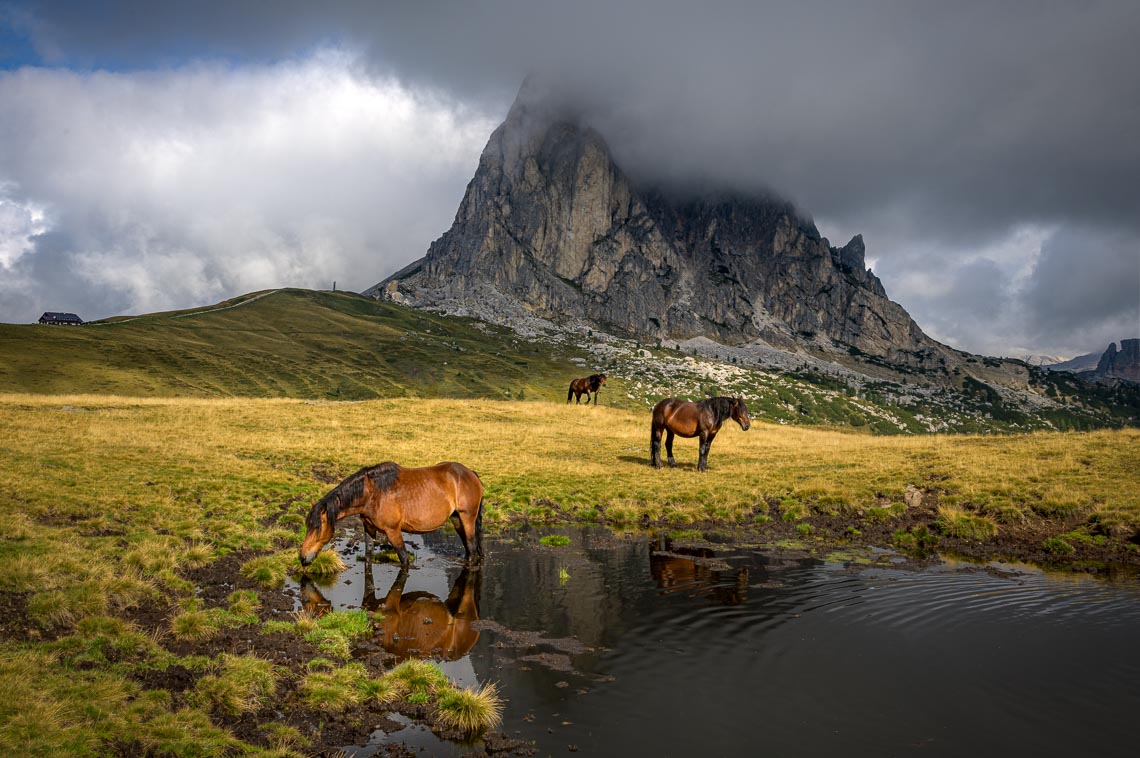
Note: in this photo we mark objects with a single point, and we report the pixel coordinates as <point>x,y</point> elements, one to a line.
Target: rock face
<point>1122,364</point>
<point>550,222</point>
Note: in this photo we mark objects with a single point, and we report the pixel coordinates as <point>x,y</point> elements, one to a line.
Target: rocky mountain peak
<point>1120,364</point>
<point>551,225</point>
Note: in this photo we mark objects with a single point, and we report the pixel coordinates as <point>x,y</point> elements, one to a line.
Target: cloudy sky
<point>166,155</point>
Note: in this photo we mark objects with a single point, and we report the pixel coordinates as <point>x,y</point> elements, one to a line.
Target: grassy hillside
<point>283,343</point>
<point>341,346</point>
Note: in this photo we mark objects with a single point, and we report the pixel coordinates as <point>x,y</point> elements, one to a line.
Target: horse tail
<point>479,532</point>
<point>479,520</point>
<point>570,392</point>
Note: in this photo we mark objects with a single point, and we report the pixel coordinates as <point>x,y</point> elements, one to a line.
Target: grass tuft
<point>195,625</point>
<point>469,710</point>
<point>334,689</point>
<point>269,570</point>
<point>327,563</point>
<point>417,677</point>
<point>956,522</point>
<point>335,632</point>
<point>244,684</point>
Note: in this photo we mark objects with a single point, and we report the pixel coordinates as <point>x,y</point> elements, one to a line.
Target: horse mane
<point>721,407</point>
<point>595,381</point>
<point>382,475</point>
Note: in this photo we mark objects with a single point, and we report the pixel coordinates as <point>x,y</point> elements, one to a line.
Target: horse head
<point>321,524</point>
<point>740,413</point>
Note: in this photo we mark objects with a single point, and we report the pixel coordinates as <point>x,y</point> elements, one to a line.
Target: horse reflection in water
<point>696,570</point>
<point>416,624</point>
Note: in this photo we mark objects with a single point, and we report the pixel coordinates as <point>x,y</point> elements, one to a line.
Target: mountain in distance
<point>1036,359</point>
<point>551,227</point>
<point>1104,365</point>
<point>1120,364</point>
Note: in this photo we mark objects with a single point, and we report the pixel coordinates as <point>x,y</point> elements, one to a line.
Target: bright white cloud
<point>128,192</point>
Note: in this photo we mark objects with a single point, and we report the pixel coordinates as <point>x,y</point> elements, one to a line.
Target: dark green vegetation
<point>285,343</point>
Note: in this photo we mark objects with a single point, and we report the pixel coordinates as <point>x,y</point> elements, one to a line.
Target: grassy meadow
<point>282,343</point>
<point>111,504</point>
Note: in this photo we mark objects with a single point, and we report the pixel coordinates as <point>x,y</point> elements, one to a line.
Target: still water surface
<point>654,647</point>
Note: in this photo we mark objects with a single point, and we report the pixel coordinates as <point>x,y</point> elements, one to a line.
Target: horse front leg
<point>669,447</point>
<point>706,443</point>
<point>397,540</point>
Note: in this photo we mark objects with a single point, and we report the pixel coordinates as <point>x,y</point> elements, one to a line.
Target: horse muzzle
<point>307,559</point>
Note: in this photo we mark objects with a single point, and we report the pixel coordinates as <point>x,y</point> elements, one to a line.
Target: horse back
<point>422,499</point>
<point>678,416</point>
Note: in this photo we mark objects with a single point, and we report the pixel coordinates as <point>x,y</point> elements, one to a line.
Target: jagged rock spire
<point>551,224</point>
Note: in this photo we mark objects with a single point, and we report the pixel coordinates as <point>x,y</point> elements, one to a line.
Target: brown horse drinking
<point>393,499</point>
<point>686,419</point>
<point>588,384</point>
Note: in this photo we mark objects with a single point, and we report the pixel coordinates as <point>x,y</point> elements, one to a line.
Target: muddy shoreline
<point>1014,543</point>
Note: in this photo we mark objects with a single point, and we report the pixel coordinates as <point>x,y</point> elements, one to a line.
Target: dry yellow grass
<point>202,470</point>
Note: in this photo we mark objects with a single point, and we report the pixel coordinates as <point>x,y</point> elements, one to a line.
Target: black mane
<point>721,407</point>
<point>350,490</point>
<point>595,382</point>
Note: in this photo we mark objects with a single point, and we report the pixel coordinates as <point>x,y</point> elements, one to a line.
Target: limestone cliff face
<point>551,222</point>
<point>1121,364</point>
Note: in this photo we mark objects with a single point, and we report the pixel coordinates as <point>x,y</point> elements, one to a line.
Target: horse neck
<point>719,412</point>
<point>355,508</point>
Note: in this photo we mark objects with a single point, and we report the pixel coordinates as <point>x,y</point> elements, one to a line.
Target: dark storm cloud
<point>936,129</point>
<point>1101,300</point>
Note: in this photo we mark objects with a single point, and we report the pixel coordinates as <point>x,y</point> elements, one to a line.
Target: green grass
<point>335,632</point>
<point>289,343</point>
<point>962,524</point>
<point>243,684</point>
<point>555,540</point>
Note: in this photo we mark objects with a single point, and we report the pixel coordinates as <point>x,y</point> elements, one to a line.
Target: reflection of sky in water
<point>748,651</point>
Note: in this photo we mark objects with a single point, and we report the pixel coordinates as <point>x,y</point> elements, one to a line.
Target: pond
<point>623,645</point>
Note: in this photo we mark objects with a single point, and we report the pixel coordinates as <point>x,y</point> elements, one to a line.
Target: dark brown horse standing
<point>393,499</point>
<point>686,419</point>
<point>591,383</point>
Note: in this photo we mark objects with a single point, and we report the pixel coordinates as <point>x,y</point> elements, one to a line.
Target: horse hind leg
<point>479,532</point>
<point>457,522</point>
<point>655,446</point>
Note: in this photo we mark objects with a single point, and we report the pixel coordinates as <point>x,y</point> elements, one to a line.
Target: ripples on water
<point>655,647</point>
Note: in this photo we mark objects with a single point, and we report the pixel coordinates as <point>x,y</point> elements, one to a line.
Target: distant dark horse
<point>586,385</point>
<point>393,499</point>
<point>686,419</point>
